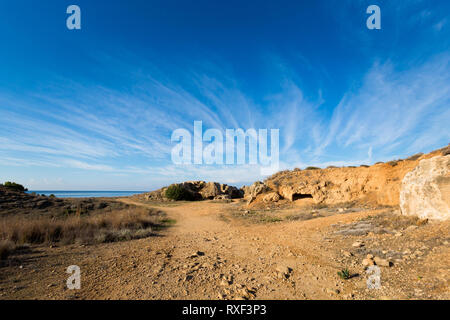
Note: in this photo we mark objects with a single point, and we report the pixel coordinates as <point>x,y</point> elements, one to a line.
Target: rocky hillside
<point>374,186</point>
<point>16,202</point>
<point>378,184</point>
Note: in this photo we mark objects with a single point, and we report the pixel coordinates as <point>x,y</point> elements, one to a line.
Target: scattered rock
<point>357,244</point>
<point>347,254</point>
<point>332,291</point>
<point>382,262</point>
<point>368,262</point>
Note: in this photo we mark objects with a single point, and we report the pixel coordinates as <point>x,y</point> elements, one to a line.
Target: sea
<point>85,194</point>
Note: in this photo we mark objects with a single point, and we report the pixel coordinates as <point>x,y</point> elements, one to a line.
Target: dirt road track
<point>208,254</point>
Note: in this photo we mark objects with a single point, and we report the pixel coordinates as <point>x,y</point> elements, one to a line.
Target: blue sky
<point>95,108</point>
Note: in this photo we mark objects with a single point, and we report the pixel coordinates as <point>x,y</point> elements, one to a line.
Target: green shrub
<point>15,186</point>
<point>177,192</point>
<point>312,168</point>
<point>344,274</point>
<point>393,163</point>
<point>446,151</point>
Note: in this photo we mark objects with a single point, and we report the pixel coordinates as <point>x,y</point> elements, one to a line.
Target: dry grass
<point>415,157</point>
<point>312,168</point>
<point>6,247</point>
<point>445,151</point>
<point>396,221</point>
<point>95,228</point>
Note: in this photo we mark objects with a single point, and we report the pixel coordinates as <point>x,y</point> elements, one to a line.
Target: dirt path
<point>210,254</point>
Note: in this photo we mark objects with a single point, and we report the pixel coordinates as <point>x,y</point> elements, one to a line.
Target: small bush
<point>344,274</point>
<point>312,168</point>
<point>6,247</point>
<point>14,186</point>
<point>177,192</point>
<point>393,163</point>
<point>415,157</point>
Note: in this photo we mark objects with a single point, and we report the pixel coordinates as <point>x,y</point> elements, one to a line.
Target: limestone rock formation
<point>200,190</point>
<point>255,189</point>
<point>425,191</point>
<point>378,184</point>
<point>271,197</point>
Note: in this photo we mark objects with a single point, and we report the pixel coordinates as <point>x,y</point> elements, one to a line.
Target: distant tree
<point>15,186</point>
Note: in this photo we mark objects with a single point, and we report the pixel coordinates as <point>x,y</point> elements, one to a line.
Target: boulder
<point>271,197</point>
<point>255,189</point>
<point>210,190</point>
<point>425,191</point>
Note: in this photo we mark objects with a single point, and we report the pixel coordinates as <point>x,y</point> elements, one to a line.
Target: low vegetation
<point>344,274</point>
<point>6,247</point>
<point>113,226</point>
<point>177,193</point>
<point>14,186</point>
<point>415,157</point>
<point>312,168</point>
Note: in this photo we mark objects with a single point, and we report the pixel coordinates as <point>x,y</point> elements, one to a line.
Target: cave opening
<point>298,196</point>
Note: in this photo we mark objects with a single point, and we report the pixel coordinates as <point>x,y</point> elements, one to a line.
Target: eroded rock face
<point>425,191</point>
<point>271,197</point>
<point>255,189</point>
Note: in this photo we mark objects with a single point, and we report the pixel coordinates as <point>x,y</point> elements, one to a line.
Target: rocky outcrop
<point>251,192</point>
<point>425,191</point>
<point>378,184</point>
<point>255,189</point>
<point>17,202</point>
<point>200,190</point>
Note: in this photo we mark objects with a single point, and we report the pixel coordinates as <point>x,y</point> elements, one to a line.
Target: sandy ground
<point>220,251</point>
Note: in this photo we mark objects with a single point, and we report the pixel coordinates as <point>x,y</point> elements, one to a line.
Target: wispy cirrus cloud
<point>393,109</point>
<point>118,132</point>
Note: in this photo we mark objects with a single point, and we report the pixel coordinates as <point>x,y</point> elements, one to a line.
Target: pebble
<point>382,262</point>
<point>347,253</point>
<point>357,244</point>
<point>368,262</point>
<point>332,291</point>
